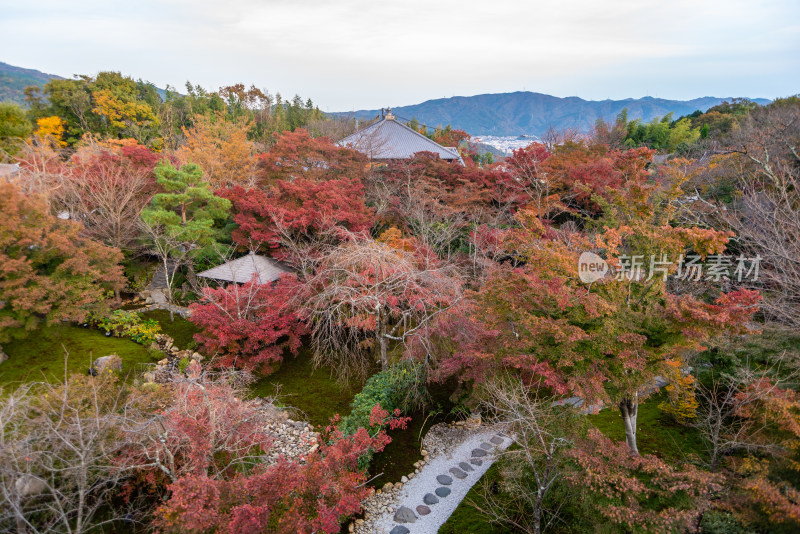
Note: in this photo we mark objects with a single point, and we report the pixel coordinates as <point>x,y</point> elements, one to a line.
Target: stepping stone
<point>442,492</point>
<point>475,461</point>
<point>444,480</point>
<point>404,514</point>
<point>466,467</point>
<point>430,498</point>
<point>423,510</point>
<point>497,440</point>
<point>399,529</point>
<point>486,446</point>
<point>478,453</point>
<point>458,473</point>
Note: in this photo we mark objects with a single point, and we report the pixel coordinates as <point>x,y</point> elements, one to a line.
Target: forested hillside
<point>14,80</point>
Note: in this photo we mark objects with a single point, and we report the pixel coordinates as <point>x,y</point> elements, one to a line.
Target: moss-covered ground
<point>657,433</point>
<point>40,356</point>
<point>314,393</point>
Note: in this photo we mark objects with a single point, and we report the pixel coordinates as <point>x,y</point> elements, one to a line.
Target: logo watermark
<point>715,268</point>
<point>592,267</point>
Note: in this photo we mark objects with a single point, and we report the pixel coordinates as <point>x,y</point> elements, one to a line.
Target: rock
<point>478,453</point>
<point>424,452</point>
<point>29,485</point>
<point>149,376</point>
<point>430,498</point>
<point>465,466</point>
<point>351,527</point>
<point>165,361</point>
<point>111,362</point>
<point>486,446</point>
<point>423,510</point>
<point>405,514</point>
<point>403,479</point>
<point>458,473</point>
<point>399,529</point>
<point>411,475</point>
<point>444,480</point>
<point>388,486</point>
<point>442,492</point>
<point>359,522</point>
<point>497,440</point>
<point>475,461</point>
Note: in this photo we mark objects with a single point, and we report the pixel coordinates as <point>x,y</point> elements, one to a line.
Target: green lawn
<point>180,330</point>
<point>314,392</point>
<point>40,356</point>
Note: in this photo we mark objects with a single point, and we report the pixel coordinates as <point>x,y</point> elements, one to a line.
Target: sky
<point>366,54</point>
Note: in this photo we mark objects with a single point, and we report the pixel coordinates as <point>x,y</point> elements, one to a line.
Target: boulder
<point>486,446</point>
<point>475,461</point>
<point>497,440</point>
<point>458,473</point>
<point>423,510</point>
<point>442,492</point>
<point>465,466</point>
<point>404,514</point>
<point>444,480</point>
<point>478,453</point>
<point>430,498</point>
<point>112,362</point>
<point>399,529</point>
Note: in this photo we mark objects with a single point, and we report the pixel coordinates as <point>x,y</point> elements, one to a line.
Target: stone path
<point>426,502</point>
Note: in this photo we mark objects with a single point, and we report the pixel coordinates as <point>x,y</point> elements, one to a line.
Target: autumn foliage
<point>641,493</point>
<point>308,188</point>
<point>250,325</point>
<point>312,493</point>
<point>48,270</point>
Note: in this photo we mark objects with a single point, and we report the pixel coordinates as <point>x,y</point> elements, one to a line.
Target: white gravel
<point>414,490</point>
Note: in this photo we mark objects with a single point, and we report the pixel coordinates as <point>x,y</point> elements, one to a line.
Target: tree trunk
<point>384,345</point>
<point>629,408</point>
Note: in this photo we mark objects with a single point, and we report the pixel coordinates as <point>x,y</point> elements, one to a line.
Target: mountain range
<point>528,113</point>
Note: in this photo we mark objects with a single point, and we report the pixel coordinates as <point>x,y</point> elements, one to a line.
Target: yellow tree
<point>221,149</point>
<point>122,113</point>
<point>51,128</point>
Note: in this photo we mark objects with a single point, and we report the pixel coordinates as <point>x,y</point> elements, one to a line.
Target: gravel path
<point>457,471</point>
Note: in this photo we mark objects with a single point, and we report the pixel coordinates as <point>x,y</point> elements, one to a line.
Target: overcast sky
<point>355,54</point>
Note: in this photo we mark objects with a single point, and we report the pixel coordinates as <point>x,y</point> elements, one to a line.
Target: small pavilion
<point>242,270</point>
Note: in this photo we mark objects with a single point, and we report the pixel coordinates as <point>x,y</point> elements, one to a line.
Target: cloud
<point>359,53</point>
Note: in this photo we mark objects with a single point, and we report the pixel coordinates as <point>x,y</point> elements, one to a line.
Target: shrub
<point>395,388</point>
<point>121,323</point>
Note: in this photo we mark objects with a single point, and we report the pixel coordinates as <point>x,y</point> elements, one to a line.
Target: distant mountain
<point>529,113</point>
<point>14,80</point>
